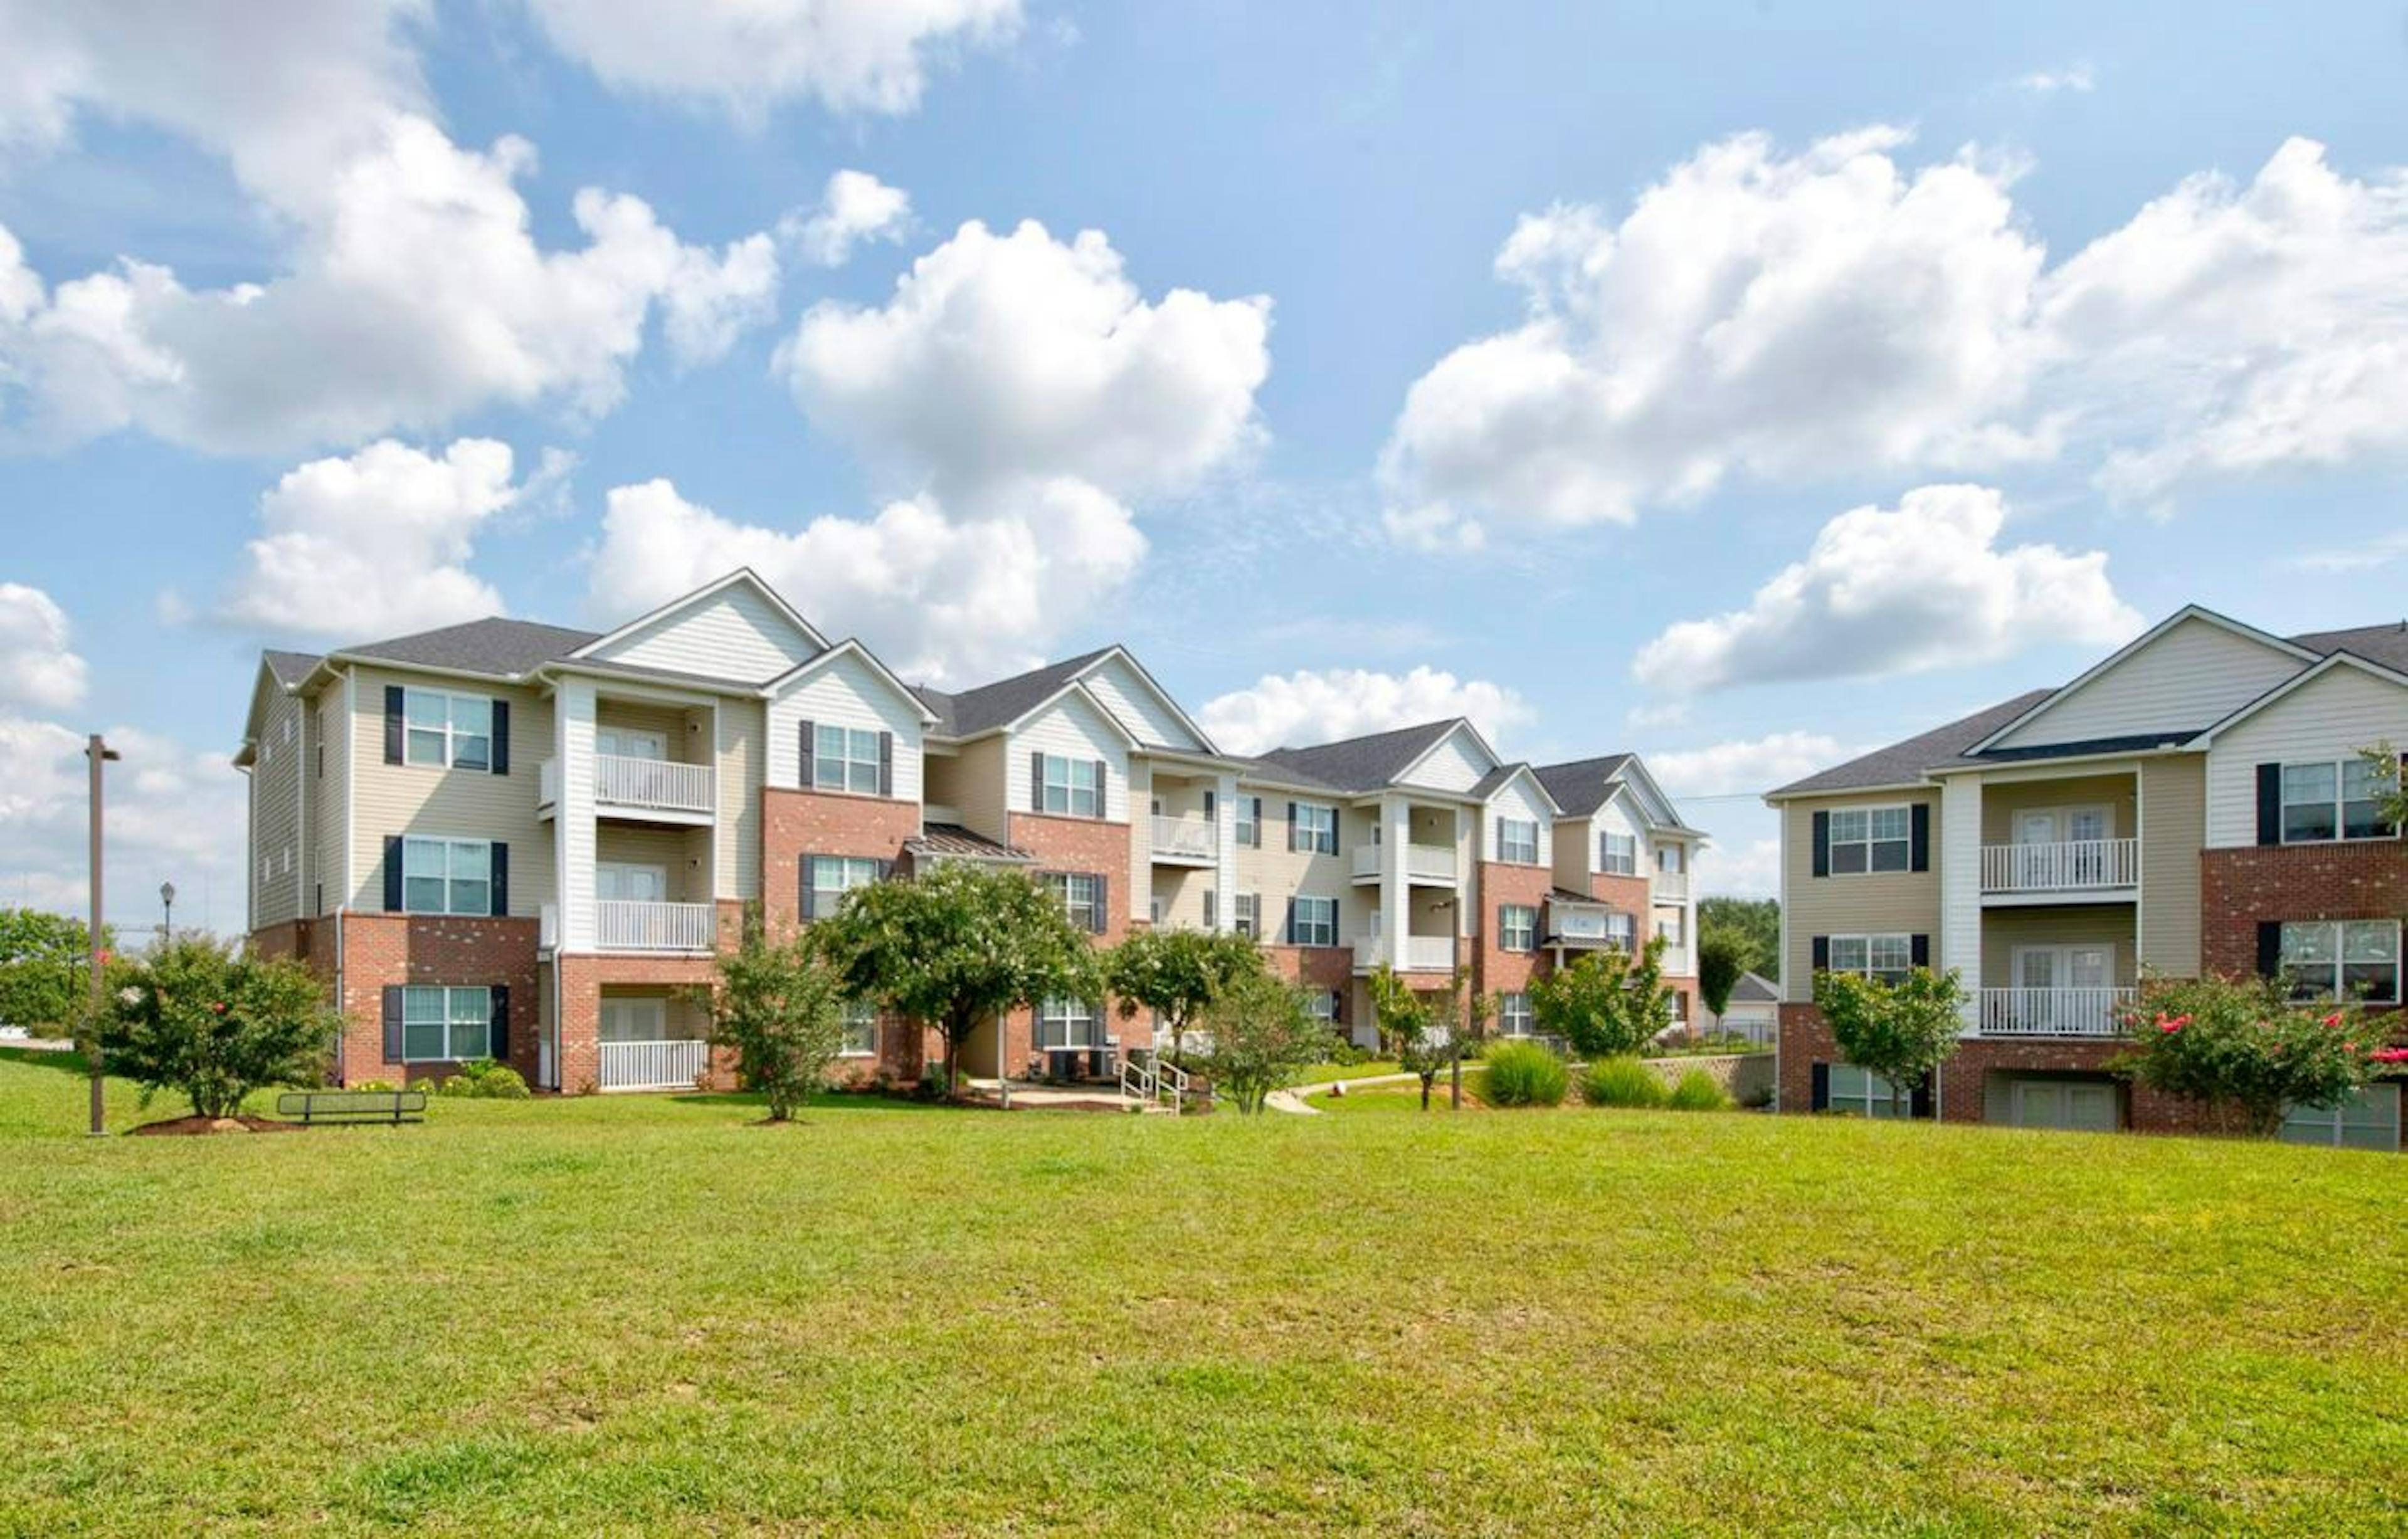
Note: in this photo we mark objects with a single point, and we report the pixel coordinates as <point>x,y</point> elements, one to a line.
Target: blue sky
<point>1424,358</point>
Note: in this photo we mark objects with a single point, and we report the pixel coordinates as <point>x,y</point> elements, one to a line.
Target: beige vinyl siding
<point>1575,853</point>
<point>681,853</point>
<point>1455,762</point>
<point>461,804</point>
<point>1141,790</point>
<point>326,798</point>
<point>1278,873</point>
<point>736,632</point>
<point>980,785</point>
<point>2001,800</point>
<point>2071,924</point>
<point>671,721</point>
<point>2173,819</point>
<point>2332,717</point>
<point>1883,903</point>
<point>278,859</point>
<point>1182,890</point>
<point>742,756</point>
<point>2186,680</point>
<point>1117,686</point>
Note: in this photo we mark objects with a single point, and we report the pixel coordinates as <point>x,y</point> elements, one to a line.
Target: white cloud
<point>1890,590</point>
<point>1010,358</point>
<point>1323,705</point>
<point>1748,871</point>
<point>36,665</point>
<point>855,208</point>
<point>851,55</point>
<point>1748,766</point>
<point>945,599</point>
<point>2076,78</point>
<point>377,543</point>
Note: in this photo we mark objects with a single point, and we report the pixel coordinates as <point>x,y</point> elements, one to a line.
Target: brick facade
<point>1493,969</point>
<point>1085,846</point>
<point>796,823</point>
<point>1326,967</point>
<point>384,950</point>
<point>2241,888</point>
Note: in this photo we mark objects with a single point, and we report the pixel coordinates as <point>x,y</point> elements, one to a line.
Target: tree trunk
<point>1455,1090</point>
<point>1427,1080</point>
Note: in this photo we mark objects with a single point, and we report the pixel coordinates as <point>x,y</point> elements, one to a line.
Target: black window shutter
<point>2270,947</point>
<point>392,1023</point>
<point>1290,936</point>
<point>809,890</point>
<point>498,1049</point>
<point>1212,806</point>
<point>1919,840</point>
<point>501,754</point>
<point>392,874</point>
<point>885,870</point>
<point>1822,844</point>
<point>1291,828</point>
<point>810,745</point>
<point>1919,950</point>
<point>1918,1101</point>
<point>1259,926</point>
<point>1103,903</point>
<point>393,723</point>
<point>1035,781</point>
<point>499,887</point>
<point>1819,1099</point>
<point>886,764</point>
<point>2270,804</point>
<point>1822,953</point>
<point>1103,784</point>
<point>1258,822</point>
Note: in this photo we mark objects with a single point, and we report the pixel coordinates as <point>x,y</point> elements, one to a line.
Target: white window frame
<point>1511,848</point>
<point>2342,937</point>
<point>1315,927</point>
<point>1671,860</point>
<point>1065,1014</point>
<point>860,1029</point>
<point>1513,1008</point>
<point>1618,854</point>
<point>450,1007</point>
<point>1321,1004</point>
<point>1248,830</point>
<point>1622,929</point>
<point>1868,841</point>
<point>448,734</point>
<point>454,850</point>
<point>2329,1127</point>
<point>2337,803</point>
<point>1673,925</point>
<point>1892,944</point>
<point>1517,927</point>
<point>1243,920</point>
<point>1860,1096</point>
<point>1304,835</point>
<point>617,742</point>
<point>1080,895</point>
<point>853,759</point>
<point>1061,794</point>
<point>851,871</point>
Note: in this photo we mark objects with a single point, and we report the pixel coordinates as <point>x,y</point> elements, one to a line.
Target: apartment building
<point>2194,804</point>
<point>528,842</point>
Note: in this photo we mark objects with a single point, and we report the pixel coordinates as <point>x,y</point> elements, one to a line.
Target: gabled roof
<point>1753,989</point>
<point>503,649</point>
<point>1504,775</point>
<point>2384,644</point>
<point>1367,762</point>
<point>849,647</point>
<point>974,713</point>
<point>2140,643</point>
<point>743,576</point>
<point>1267,771</point>
<point>1583,786</point>
<point>289,669</point>
<point>2331,662</point>
<point>1903,763</point>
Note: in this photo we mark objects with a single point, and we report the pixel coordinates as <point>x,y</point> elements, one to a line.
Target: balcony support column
<point>1225,856</point>
<point>1960,888</point>
<point>1396,893</point>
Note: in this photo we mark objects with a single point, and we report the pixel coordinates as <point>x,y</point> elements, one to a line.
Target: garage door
<point>2082,1105</point>
<point>2367,1120</point>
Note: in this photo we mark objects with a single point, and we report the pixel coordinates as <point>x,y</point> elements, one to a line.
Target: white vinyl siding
<point>1518,803</point>
<point>849,695</point>
<point>277,805</point>
<point>734,633</point>
<point>1455,762</point>
<point>1119,690</point>
<point>1070,728</point>
<point>2194,676</point>
<point>2329,718</point>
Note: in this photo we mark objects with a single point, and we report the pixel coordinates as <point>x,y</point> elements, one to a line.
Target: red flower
<point>2392,1055</point>
<point>2333,1019</point>
<point>2169,1026</point>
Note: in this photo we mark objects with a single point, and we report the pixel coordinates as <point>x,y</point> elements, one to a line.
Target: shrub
<point>1903,1030</point>
<point>1263,1035</point>
<point>1622,1082</point>
<point>1523,1074</point>
<point>780,1008</point>
<point>482,1079</point>
<point>2245,1049</point>
<point>214,1023</point>
<point>1697,1091</point>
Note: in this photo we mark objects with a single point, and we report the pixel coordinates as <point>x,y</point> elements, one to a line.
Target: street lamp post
<point>99,753</point>
<point>166,911</point>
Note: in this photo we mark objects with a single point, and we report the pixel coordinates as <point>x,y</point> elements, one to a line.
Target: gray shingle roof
<point>1752,989</point>
<point>289,669</point>
<point>1272,772</point>
<point>1363,763</point>
<point>2383,644</point>
<point>502,648</point>
<point>970,712</point>
<point>1580,785</point>
<point>1902,763</point>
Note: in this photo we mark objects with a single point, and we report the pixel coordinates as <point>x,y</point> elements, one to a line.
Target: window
<point>447,876</point>
<point>1854,1089</point>
<point>860,1029</point>
<point>844,758</point>
<point>827,878</point>
<point>1154,910</point>
<point>2356,958</point>
<point>1622,932</point>
<point>2335,799</point>
<point>1669,923</point>
<point>1082,895</point>
<point>1241,915</point>
<point>444,729</point>
<point>446,1025</point>
<point>1517,927</point>
<point>1071,786</point>
<point>1250,821</point>
<point>1316,922</point>
<point>2367,1120</point>
<point>1314,831</point>
<point>1513,1017</point>
<point>1321,1004</point>
<point>1211,909</point>
<point>1871,839</point>
<point>1887,957</point>
<point>1517,840</point>
<point>1068,1023</point>
<point>1618,854</point>
<point>1670,858</point>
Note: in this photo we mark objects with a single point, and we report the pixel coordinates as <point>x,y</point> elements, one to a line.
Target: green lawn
<point>593,1316</point>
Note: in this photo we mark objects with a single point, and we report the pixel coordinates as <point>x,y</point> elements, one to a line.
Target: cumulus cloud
<point>1888,590</point>
<point>746,55</point>
<point>1310,706</point>
<point>1841,310</point>
<point>412,291</point>
<point>951,600</point>
<point>36,665</point>
<point>2076,78</point>
<point>377,543</point>
<point>1745,766</point>
<point>1752,870</point>
<point>855,208</point>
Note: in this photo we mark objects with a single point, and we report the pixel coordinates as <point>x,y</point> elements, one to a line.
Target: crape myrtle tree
<point>2247,1050</point>
<point>779,1006</point>
<point>1176,973</point>
<point>1903,1030</point>
<point>1609,1004</point>
<point>1263,1035</point>
<point>959,945</point>
<point>1427,1033</point>
<point>215,1022</point>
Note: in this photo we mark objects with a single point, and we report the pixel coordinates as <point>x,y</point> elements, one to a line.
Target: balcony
<point>627,925</point>
<point>1422,953</point>
<point>659,789</point>
<point>1669,885</point>
<point>1187,841</point>
<point>1428,865</point>
<point>2054,1012</point>
<point>671,1065</point>
<point>2106,867</point>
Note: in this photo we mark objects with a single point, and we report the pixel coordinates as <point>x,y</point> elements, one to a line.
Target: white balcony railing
<point>1670,883</point>
<point>669,1065</point>
<point>1187,838</point>
<point>2071,865</point>
<point>657,785</point>
<point>1423,863</point>
<point>622,924</point>
<point>2054,1012</point>
<point>1422,953</point>
<point>548,783</point>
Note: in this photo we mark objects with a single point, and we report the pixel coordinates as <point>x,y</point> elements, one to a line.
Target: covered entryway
<point>650,1042</point>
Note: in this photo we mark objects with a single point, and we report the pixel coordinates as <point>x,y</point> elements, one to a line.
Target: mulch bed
<point>188,1127</point>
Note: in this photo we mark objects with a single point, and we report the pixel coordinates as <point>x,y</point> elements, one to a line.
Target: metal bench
<point>337,1107</point>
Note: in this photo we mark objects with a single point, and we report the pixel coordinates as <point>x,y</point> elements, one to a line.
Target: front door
<point>2046,977</point>
<point>2081,1106</point>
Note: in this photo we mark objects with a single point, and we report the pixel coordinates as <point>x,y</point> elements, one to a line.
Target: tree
<point>2244,1049</point>
<point>1607,1004</point>
<point>2390,789</point>
<point>1425,1032</point>
<point>42,961</point>
<point>1756,922</point>
<point>1263,1034</point>
<point>1902,1030</point>
<point>214,1023</point>
<point>964,943</point>
<point>1176,973</point>
<point>1722,957</point>
<point>780,1005</point>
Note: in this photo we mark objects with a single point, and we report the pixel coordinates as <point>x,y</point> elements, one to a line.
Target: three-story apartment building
<point>2194,804</point>
<point>527,841</point>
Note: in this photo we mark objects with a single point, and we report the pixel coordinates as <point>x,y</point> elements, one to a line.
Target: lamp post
<point>99,753</point>
<point>166,911</point>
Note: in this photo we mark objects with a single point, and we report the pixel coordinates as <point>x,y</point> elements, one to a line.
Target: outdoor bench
<point>345,1107</point>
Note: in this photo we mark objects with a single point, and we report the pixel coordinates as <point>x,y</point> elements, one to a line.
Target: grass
<point>1326,1074</point>
<point>616,1314</point>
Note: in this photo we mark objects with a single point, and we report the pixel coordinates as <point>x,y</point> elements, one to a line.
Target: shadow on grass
<point>67,1062</point>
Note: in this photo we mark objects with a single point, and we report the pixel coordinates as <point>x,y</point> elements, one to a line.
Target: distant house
<point>1753,1010</point>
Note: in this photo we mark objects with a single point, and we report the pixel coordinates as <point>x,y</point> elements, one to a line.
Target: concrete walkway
<point>1293,1101</point>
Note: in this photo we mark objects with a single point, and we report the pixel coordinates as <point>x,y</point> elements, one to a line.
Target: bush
<point>1523,1074</point>
<point>1622,1082</point>
<point>2245,1048</point>
<point>1697,1091</point>
<point>214,1023</point>
<point>482,1079</point>
<point>1263,1037</point>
